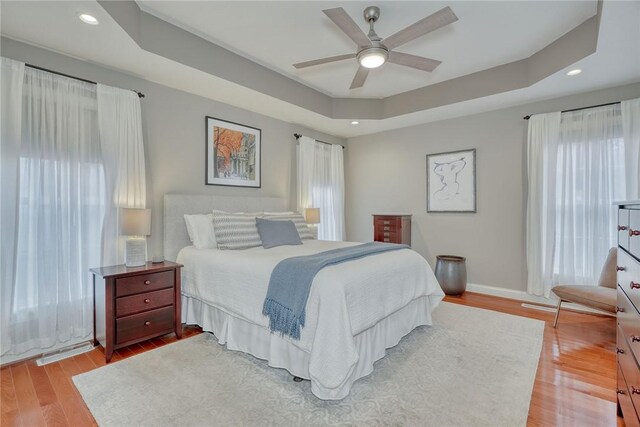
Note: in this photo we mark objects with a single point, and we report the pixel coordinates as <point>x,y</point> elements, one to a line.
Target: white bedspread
<point>345,299</point>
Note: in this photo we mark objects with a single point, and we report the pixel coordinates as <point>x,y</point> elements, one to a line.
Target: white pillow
<point>201,232</point>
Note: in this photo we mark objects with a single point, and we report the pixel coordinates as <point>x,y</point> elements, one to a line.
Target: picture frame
<point>451,182</point>
<point>233,154</point>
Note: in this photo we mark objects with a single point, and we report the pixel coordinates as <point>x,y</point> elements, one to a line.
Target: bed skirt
<point>241,335</point>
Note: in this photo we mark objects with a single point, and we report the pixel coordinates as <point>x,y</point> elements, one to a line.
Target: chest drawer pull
<point>633,232</point>
<point>635,285</point>
<point>147,282</point>
<point>635,390</point>
<point>622,227</point>
<point>619,309</point>
<point>635,338</point>
<point>147,323</point>
<point>618,268</point>
<point>147,300</point>
<point>619,350</point>
<point>620,391</point>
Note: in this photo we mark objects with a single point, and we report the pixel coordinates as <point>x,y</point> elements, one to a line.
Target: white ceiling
<point>55,26</point>
<point>278,34</point>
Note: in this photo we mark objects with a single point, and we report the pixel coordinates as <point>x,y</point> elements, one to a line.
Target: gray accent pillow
<point>301,225</point>
<point>277,233</point>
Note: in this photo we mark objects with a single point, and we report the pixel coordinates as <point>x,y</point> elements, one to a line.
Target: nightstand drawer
<point>144,283</point>
<point>387,236</point>
<point>387,222</point>
<point>144,302</point>
<point>144,325</point>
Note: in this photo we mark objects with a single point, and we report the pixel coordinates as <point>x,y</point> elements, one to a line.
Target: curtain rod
<point>298,135</point>
<point>140,94</point>
<point>581,108</point>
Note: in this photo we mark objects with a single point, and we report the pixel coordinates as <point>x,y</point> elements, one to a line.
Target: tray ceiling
<point>278,34</point>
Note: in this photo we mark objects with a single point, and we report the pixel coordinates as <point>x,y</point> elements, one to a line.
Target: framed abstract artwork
<point>232,154</point>
<point>451,181</point>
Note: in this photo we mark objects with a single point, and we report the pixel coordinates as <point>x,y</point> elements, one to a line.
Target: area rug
<point>473,367</point>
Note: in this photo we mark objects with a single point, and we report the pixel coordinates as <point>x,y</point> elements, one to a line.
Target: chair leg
<point>555,321</point>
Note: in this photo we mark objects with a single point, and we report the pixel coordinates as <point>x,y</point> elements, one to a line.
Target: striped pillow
<point>236,230</point>
<point>298,220</point>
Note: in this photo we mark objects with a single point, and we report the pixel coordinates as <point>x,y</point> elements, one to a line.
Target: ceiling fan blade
<point>359,78</point>
<point>348,26</point>
<point>324,60</point>
<point>441,18</point>
<point>413,61</point>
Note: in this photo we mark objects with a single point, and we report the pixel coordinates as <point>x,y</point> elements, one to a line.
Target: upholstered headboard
<point>176,205</point>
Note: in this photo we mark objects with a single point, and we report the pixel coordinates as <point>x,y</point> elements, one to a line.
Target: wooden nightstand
<point>133,304</point>
<point>392,229</point>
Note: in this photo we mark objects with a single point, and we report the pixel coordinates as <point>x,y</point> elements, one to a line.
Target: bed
<point>355,310</point>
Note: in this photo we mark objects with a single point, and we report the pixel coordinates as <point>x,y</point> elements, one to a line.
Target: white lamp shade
<point>135,222</point>
<point>312,215</point>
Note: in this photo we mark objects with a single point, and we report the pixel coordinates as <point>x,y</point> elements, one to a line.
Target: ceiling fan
<point>374,51</point>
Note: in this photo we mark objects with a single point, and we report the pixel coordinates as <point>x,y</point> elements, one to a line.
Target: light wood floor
<point>575,383</point>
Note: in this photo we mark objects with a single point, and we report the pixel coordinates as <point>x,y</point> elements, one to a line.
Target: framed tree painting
<point>233,154</point>
<point>451,181</point>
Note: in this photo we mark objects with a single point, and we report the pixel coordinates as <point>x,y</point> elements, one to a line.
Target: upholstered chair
<point>601,297</point>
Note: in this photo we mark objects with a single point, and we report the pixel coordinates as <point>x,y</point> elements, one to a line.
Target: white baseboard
<point>525,297</point>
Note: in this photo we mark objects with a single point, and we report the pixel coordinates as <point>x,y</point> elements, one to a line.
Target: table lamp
<point>136,224</point>
<point>312,217</point>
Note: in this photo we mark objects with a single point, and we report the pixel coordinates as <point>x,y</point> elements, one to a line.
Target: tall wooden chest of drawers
<point>628,312</point>
<point>134,304</point>
<point>392,229</point>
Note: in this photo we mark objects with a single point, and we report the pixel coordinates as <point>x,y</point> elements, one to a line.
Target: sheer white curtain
<point>120,123</point>
<point>321,185</point>
<point>60,209</point>
<point>570,216</point>
<point>543,139</point>
<point>631,130</point>
<point>71,153</point>
<point>11,80</point>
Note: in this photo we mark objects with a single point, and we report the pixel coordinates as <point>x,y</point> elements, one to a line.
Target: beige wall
<point>386,173</point>
<point>174,135</point>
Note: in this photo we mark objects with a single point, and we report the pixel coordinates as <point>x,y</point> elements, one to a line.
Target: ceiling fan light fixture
<point>373,57</point>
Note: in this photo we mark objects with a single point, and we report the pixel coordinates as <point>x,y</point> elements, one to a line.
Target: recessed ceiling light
<point>88,19</point>
<point>574,72</point>
<point>355,122</point>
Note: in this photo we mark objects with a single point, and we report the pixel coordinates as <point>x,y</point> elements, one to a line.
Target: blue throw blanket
<point>291,281</point>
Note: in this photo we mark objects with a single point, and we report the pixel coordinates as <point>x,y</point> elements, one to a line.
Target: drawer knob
<point>635,390</point>
<point>147,323</point>
<point>618,268</point>
<point>635,338</point>
<point>147,300</point>
<point>622,227</point>
<point>620,391</point>
<point>619,309</point>
<point>619,350</point>
<point>147,282</point>
<point>633,232</point>
<point>635,285</point>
